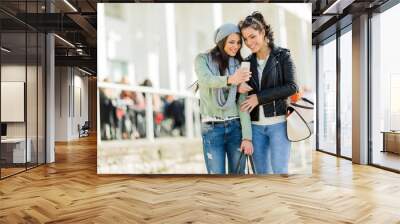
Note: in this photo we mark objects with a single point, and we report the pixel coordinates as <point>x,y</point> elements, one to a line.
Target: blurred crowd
<point>123,113</point>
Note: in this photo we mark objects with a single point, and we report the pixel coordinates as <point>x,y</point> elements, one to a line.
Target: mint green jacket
<point>207,81</point>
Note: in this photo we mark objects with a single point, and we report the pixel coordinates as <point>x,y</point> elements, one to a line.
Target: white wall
<point>14,73</point>
<point>71,94</point>
<point>80,100</point>
<point>61,110</point>
<point>33,126</point>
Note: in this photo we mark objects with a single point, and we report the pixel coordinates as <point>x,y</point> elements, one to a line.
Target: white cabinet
<point>18,149</point>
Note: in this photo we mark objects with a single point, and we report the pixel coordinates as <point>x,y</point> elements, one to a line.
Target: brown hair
<point>220,57</point>
<point>257,22</point>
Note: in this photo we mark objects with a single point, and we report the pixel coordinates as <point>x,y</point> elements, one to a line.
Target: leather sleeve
<point>289,86</point>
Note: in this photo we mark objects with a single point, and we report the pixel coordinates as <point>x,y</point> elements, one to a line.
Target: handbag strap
<point>249,159</point>
<point>301,106</point>
<point>253,168</point>
<point>239,162</point>
<point>307,100</point>
<point>247,163</point>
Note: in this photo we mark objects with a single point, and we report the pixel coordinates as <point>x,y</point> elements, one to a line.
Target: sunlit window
<point>327,96</point>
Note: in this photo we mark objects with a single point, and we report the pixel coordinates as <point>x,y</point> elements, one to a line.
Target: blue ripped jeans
<point>221,141</point>
<point>271,148</point>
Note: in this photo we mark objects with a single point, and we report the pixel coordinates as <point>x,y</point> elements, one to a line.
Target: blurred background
<point>149,119</point>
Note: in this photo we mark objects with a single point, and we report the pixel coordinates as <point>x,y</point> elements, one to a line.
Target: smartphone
<point>245,65</point>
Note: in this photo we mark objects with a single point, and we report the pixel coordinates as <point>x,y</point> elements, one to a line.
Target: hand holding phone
<point>241,75</point>
<point>245,66</point>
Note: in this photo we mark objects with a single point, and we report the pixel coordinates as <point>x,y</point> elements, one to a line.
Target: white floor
<point>176,156</point>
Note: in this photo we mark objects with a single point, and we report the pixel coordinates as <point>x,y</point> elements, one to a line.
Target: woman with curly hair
<point>272,83</point>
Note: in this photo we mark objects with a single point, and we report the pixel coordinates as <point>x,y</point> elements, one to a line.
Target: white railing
<point>192,111</point>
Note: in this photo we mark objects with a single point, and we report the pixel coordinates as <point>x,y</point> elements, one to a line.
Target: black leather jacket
<point>277,84</point>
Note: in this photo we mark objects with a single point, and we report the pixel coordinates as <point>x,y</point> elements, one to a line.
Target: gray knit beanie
<point>224,31</point>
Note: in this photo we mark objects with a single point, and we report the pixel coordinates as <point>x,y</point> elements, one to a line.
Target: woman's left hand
<point>247,147</point>
<point>249,104</point>
<point>244,88</point>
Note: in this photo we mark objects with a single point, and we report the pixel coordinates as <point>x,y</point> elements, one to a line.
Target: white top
<point>262,119</point>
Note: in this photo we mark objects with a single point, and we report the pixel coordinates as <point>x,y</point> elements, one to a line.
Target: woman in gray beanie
<point>225,130</point>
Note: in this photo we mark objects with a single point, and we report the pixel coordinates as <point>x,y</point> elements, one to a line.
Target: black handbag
<point>249,163</point>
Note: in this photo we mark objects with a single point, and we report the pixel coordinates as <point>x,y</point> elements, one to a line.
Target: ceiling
<point>76,22</point>
<point>76,25</point>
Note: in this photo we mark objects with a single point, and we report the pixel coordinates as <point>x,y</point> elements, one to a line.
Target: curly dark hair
<point>221,58</point>
<point>257,22</point>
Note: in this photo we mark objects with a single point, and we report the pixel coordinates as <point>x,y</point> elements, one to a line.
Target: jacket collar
<point>270,63</point>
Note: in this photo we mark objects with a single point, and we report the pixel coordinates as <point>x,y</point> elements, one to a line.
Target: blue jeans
<point>271,148</point>
<point>222,140</point>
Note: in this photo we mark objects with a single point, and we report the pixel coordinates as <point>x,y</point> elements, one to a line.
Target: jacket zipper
<point>275,87</point>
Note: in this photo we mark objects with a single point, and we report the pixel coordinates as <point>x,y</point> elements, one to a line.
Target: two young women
<point>241,110</point>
